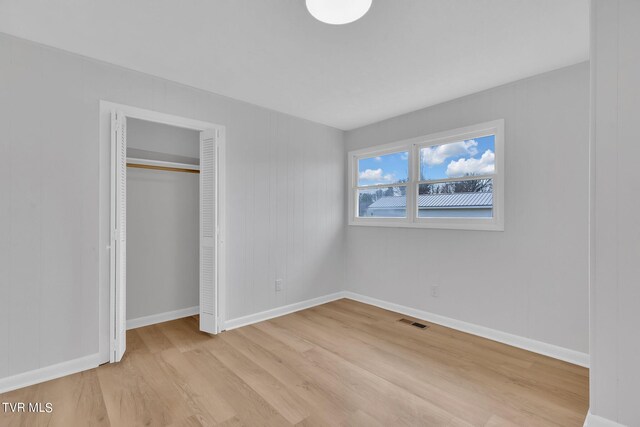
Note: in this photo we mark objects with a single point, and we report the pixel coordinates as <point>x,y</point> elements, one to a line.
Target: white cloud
<point>483,166</point>
<point>378,159</point>
<point>404,156</point>
<point>376,175</point>
<point>436,155</point>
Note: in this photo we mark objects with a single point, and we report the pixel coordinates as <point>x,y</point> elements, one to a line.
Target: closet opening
<point>167,214</point>
<point>163,163</point>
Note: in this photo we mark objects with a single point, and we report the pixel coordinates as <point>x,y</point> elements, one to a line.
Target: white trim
<point>591,218</point>
<point>412,146</point>
<point>157,117</point>
<point>221,194</point>
<point>147,162</point>
<point>161,317</point>
<point>596,421</point>
<point>47,373</point>
<point>281,311</point>
<point>557,352</point>
<point>478,224</point>
<point>90,362</point>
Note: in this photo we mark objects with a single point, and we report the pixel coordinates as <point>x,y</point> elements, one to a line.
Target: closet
<point>167,206</point>
<point>162,222</point>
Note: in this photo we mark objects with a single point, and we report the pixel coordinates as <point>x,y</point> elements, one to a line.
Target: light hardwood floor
<point>342,363</point>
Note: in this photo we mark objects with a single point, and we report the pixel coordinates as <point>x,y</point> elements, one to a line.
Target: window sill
<point>489,225</point>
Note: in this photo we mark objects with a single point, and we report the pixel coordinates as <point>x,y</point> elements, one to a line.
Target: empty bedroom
<point>319,213</point>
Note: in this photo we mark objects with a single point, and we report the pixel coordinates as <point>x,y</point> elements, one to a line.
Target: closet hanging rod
<point>161,165</point>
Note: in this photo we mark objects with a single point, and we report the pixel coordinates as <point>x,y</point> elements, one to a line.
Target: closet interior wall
<point>162,221</point>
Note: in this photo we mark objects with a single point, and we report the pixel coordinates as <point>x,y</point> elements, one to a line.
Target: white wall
<point>162,224</point>
<point>52,214</point>
<point>286,207</point>
<point>615,289</point>
<point>531,279</point>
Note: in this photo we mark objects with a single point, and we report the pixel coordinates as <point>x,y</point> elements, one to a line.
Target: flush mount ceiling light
<point>338,12</point>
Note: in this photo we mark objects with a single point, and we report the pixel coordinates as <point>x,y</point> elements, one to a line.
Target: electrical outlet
<point>278,285</point>
<point>435,291</point>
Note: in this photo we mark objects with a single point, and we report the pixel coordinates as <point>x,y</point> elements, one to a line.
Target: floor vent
<point>412,323</point>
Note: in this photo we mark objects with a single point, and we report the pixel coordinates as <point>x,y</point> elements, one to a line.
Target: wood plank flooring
<point>342,363</point>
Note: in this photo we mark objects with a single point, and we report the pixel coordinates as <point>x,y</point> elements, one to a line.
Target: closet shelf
<point>161,165</point>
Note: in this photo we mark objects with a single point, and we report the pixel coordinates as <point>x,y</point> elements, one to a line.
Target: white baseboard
<point>550,350</point>
<point>280,311</point>
<point>162,317</point>
<point>49,373</point>
<point>596,421</point>
<point>557,352</point>
<point>89,362</point>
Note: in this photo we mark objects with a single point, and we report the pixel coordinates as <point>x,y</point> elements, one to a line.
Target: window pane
<point>460,199</point>
<point>388,202</point>
<point>458,159</point>
<point>388,169</point>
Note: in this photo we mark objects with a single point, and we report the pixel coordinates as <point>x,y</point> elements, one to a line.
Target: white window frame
<point>413,146</point>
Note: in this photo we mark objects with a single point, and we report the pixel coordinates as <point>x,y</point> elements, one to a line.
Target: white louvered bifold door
<point>120,134</point>
<point>208,231</point>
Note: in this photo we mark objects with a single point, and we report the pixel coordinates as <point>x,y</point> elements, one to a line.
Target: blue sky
<point>457,159</point>
<point>471,157</point>
<point>389,168</point>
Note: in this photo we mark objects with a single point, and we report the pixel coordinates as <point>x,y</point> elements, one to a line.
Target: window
<point>375,176</point>
<point>452,180</point>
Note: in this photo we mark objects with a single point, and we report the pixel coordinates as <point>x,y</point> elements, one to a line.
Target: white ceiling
<point>402,56</point>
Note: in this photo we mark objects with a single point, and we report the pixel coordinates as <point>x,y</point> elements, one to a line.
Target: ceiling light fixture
<point>338,12</point>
